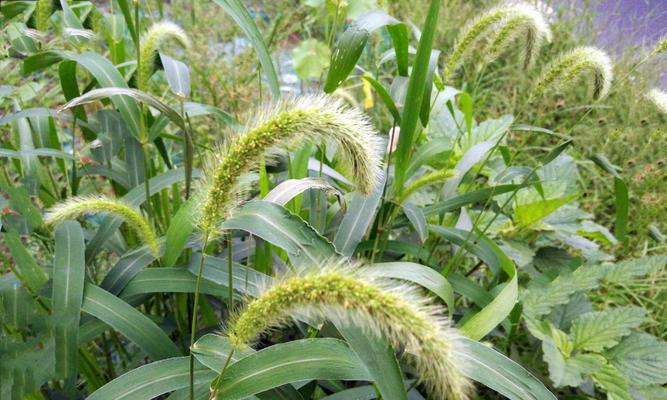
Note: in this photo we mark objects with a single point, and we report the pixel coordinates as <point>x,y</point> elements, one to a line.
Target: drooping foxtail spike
<point>78,206</point>
<point>151,41</point>
<point>501,26</point>
<point>43,11</point>
<point>379,306</point>
<point>523,21</point>
<point>305,119</point>
<point>574,64</point>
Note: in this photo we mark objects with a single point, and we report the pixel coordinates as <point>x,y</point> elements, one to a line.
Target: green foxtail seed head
<point>661,47</point>
<point>77,206</point>
<point>42,14</point>
<point>523,21</point>
<point>380,306</point>
<point>283,125</point>
<point>658,98</point>
<point>151,41</point>
<point>501,25</point>
<point>571,65</point>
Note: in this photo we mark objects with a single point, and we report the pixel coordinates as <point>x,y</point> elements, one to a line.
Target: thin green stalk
<point>216,386</point>
<point>193,322</point>
<point>384,191</point>
<point>230,271</point>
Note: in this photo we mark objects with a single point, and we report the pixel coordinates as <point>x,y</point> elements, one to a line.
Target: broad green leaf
<point>213,350</point>
<point>496,371</point>
<point>115,92</point>
<point>130,264</point>
<point>178,76</point>
<point>640,358</point>
<point>290,188</point>
<point>528,213</point>
<point>613,382</point>
<point>345,55</point>
<point>497,310</point>
<point>245,280</point>
<point>572,370</point>
<point>355,223</point>
<point>626,270</point>
<point>153,380</point>
<point>26,268</point>
<point>385,97</point>
<point>278,226</point>
<point>180,228</point>
<point>473,156</point>
<point>310,58</point>
<point>475,196</point>
<point>128,321</point>
<point>240,15</point>
<point>300,360</point>
<point>415,95</point>
<point>596,331</point>
<point>416,217</point>
<point>69,271</point>
<point>379,358</point>
<point>419,274</point>
<point>169,280</point>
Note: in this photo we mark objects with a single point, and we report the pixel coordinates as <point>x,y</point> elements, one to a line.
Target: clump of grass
<point>501,26</point>
<point>346,295</point>
<point>78,206</point>
<point>151,41</point>
<point>658,98</point>
<point>281,126</point>
<point>571,65</point>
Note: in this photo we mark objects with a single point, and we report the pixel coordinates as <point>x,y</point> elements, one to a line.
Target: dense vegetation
<point>392,200</point>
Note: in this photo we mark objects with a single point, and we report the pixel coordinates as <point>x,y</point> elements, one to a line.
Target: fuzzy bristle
<point>500,26</point>
<point>78,206</point>
<point>151,41</point>
<point>573,64</point>
<point>43,11</point>
<point>350,295</point>
<point>281,127</point>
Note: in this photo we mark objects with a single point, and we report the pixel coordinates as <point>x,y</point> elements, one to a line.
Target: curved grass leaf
<point>290,188</point>
<point>497,310</point>
<point>278,226</point>
<point>69,271</point>
<point>500,373</point>
<point>128,321</point>
<point>180,227</point>
<point>300,360</point>
<point>152,380</point>
<point>169,280</point>
<point>356,221</point>
<point>415,94</point>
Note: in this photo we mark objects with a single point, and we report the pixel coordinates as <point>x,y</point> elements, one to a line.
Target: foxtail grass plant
<point>151,40</point>
<point>78,206</point>
<point>658,98</point>
<point>501,26</point>
<point>574,64</point>
<point>347,294</point>
<point>282,126</point>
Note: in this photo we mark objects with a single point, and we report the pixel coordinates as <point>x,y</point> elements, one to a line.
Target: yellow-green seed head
<point>524,20</point>
<point>383,307</point>
<point>281,127</point>
<point>658,98</point>
<point>570,66</point>
<point>501,26</point>
<point>43,11</point>
<point>151,41</point>
<point>661,47</point>
<point>78,206</point>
